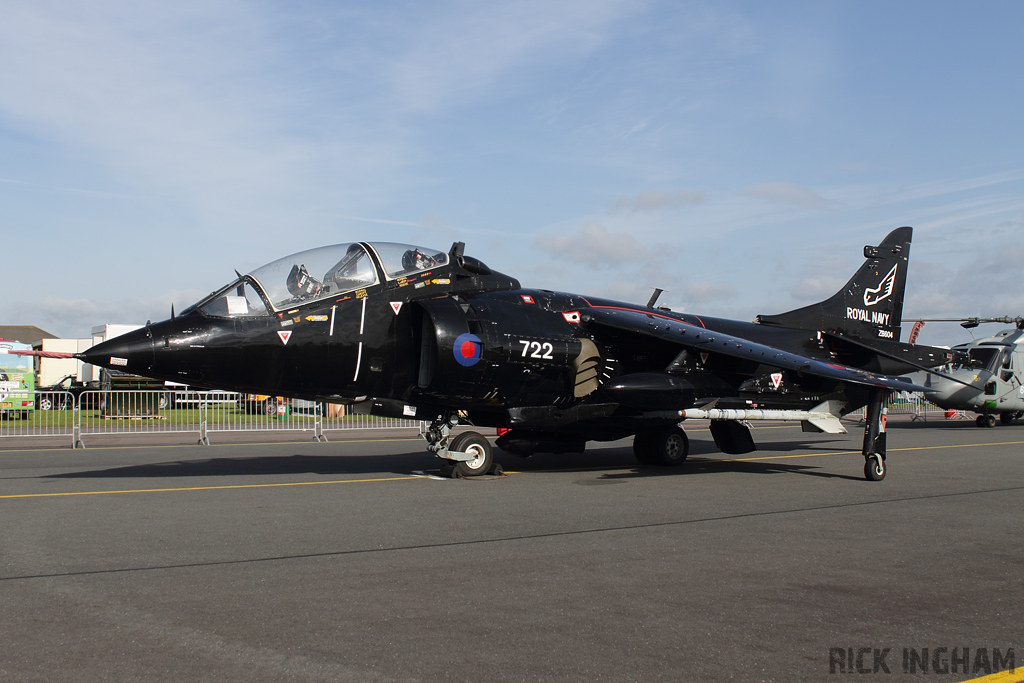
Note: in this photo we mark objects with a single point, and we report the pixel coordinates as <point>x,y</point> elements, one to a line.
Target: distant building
<point>101,333</point>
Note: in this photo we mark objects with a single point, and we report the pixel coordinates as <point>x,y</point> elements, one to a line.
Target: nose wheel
<point>479,450</point>
<point>469,453</point>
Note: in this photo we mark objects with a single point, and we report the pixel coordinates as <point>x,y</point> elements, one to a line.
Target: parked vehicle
<point>17,381</point>
<point>261,404</point>
<point>184,396</point>
<point>64,393</point>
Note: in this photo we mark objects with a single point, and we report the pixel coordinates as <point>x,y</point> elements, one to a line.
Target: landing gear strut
<point>469,452</point>
<point>874,436</point>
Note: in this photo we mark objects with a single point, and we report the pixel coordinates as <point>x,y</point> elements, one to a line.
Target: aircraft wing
<point>658,326</point>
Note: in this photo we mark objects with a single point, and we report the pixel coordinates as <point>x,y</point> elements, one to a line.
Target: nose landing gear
<point>469,453</point>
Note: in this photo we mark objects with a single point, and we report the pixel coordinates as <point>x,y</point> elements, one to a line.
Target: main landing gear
<point>989,419</point>
<point>664,446</point>
<point>469,453</point>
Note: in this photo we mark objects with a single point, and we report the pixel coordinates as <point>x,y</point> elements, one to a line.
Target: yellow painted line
<point>1012,676</point>
<point>783,457</point>
<point>212,488</point>
<point>890,450</point>
<point>508,472</point>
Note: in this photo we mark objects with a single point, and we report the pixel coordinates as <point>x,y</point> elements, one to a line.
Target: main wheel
<point>668,446</point>
<point>1006,418</point>
<point>874,467</point>
<point>478,447</point>
<point>642,448</point>
<point>671,447</point>
<point>990,420</point>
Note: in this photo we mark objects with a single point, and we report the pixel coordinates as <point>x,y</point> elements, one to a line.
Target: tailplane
<point>869,305</point>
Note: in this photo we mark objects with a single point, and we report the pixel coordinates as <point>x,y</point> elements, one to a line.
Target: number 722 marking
<point>534,349</point>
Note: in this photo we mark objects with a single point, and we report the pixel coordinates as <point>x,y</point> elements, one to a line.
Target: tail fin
<point>870,305</point>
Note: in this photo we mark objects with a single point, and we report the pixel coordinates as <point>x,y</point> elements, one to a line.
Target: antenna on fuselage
<point>457,250</point>
<point>654,297</point>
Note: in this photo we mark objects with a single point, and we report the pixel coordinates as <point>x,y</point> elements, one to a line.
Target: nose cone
<point>131,352</point>
<point>949,394</point>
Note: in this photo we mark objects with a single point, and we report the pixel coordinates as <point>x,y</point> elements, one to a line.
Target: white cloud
<point>818,288</point>
<point>789,193</point>
<point>595,246</point>
<point>74,318</point>
<point>648,200</point>
<point>699,292</point>
<point>191,98</point>
<point>458,52</point>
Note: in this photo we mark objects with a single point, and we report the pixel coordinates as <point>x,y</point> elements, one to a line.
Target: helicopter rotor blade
<point>970,323</point>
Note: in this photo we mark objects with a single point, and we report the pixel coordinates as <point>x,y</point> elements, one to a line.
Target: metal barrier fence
<point>129,411</point>
<point>59,413</point>
<point>914,403</point>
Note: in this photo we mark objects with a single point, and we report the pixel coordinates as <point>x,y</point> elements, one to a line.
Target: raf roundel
<point>467,349</point>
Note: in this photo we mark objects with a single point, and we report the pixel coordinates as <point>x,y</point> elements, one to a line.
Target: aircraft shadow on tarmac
<point>261,466</point>
<point>617,459</point>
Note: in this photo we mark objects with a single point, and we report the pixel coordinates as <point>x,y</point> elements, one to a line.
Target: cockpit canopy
<point>317,274</point>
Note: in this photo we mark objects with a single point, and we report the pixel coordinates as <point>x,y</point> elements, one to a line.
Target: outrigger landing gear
<point>874,436</point>
<point>469,452</point>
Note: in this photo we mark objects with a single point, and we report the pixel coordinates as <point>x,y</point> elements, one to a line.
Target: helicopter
<point>987,375</point>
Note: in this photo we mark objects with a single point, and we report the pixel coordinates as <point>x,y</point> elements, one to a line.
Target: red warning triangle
<point>396,306</point>
<point>285,335</point>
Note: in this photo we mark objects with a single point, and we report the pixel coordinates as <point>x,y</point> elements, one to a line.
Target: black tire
<point>980,421</point>
<point>874,467</point>
<point>1006,418</point>
<point>642,448</point>
<point>671,447</point>
<point>45,403</point>
<point>666,447</point>
<point>476,444</point>
<point>990,420</point>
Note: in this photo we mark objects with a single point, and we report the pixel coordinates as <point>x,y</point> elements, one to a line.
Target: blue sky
<point>736,154</point>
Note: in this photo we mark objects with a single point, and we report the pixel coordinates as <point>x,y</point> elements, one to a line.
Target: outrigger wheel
<point>475,445</point>
<point>874,467</point>
<point>668,446</point>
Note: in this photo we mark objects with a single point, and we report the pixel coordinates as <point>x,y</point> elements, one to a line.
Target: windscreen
<point>984,357</point>
<point>237,300</point>
<point>315,274</point>
<point>403,260</point>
